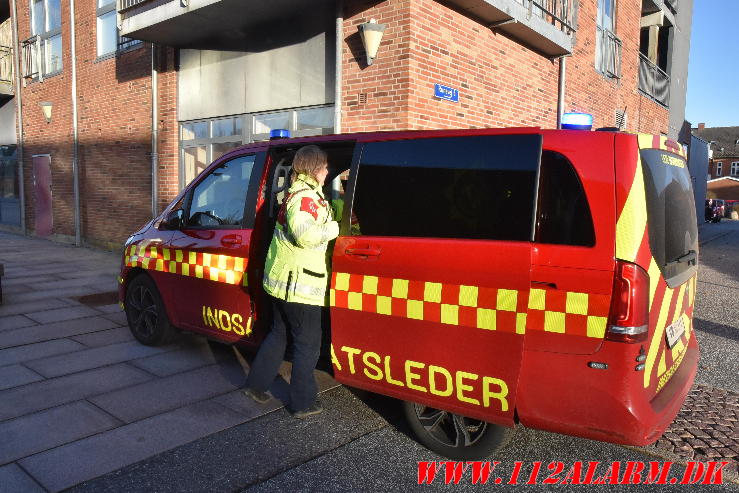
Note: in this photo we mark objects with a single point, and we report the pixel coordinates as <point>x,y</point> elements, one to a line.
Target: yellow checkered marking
<point>499,313</point>
<point>213,267</point>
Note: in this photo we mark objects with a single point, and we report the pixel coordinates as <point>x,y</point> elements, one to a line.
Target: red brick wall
<point>114,128</point>
<point>725,167</point>
<point>501,83</point>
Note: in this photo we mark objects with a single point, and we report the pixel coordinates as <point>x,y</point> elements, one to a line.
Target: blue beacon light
<point>279,133</point>
<point>577,121</point>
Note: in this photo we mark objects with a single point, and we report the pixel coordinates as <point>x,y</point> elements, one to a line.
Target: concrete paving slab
<point>17,375</point>
<point>164,394</point>
<point>75,282</point>
<point>105,270</point>
<point>42,431</point>
<point>49,393</point>
<point>105,337</point>
<point>114,308</point>
<point>186,359</point>
<point>14,480</point>
<point>89,458</point>
<point>60,314</point>
<point>29,306</point>
<point>16,289</point>
<point>57,330</point>
<point>23,280</point>
<point>15,322</point>
<point>39,350</point>
<point>118,317</point>
<point>251,452</point>
<point>88,359</point>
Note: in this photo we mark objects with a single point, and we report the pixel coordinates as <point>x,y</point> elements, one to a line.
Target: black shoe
<point>316,408</point>
<point>257,395</point>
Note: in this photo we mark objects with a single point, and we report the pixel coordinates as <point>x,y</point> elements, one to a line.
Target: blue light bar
<point>279,133</point>
<point>577,121</point>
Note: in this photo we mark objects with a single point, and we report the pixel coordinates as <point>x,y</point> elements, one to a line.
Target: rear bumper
<point>560,393</point>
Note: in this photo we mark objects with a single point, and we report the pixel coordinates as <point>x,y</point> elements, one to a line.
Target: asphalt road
<point>360,443</point>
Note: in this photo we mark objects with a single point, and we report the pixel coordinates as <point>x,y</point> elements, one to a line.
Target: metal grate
<point>362,98</point>
<point>608,47</point>
<point>31,57</point>
<point>621,119</point>
<point>560,13</point>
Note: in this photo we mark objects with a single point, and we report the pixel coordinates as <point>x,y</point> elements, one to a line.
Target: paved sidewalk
<point>79,397</point>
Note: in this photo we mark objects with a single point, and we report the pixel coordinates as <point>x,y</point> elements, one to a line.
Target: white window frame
<point>122,43</point>
<point>735,168</point>
<point>45,35</point>
<point>719,166</point>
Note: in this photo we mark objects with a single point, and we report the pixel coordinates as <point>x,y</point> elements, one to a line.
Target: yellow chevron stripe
<point>633,219</point>
<point>659,332</point>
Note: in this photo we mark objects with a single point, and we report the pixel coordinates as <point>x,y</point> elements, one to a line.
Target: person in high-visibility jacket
<point>296,277</point>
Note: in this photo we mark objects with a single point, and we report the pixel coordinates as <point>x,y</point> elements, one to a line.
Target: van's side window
<point>219,199</point>
<point>477,187</point>
<point>563,214</point>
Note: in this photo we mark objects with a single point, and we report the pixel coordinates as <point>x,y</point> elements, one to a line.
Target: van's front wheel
<point>145,313</point>
<point>455,436</point>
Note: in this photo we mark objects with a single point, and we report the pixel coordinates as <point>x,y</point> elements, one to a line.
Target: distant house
<point>724,142</point>
<point>726,188</point>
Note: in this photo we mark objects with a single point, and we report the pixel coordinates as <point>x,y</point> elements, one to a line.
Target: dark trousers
<point>304,323</point>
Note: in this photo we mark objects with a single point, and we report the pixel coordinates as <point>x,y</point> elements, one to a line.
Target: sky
<point>713,70</point>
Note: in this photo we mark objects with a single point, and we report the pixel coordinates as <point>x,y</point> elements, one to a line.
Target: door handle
<point>363,252</point>
<point>547,284</point>
<point>231,240</point>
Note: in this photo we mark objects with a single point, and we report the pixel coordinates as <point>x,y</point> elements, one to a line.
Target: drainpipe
<point>19,115</point>
<point>75,139</point>
<point>561,91</point>
<point>154,134</point>
<point>338,79</point>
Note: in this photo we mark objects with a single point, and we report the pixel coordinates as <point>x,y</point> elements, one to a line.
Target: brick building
<point>724,142</point>
<point>207,76</point>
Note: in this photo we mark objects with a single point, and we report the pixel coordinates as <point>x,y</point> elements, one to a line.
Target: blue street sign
<point>444,92</point>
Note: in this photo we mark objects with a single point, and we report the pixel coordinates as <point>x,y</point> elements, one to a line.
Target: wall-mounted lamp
<point>371,33</point>
<point>46,108</point>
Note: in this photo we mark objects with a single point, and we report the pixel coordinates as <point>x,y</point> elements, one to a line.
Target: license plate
<point>674,332</point>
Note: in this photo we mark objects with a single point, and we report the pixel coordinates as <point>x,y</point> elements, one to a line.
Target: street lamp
<point>371,33</point>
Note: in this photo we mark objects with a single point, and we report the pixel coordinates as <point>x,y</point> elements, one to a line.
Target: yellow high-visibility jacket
<point>296,267</point>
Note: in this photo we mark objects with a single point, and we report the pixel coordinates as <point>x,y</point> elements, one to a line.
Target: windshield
<point>673,228</point>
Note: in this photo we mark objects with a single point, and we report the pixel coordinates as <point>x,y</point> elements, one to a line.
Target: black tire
<point>145,313</point>
<point>455,436</point>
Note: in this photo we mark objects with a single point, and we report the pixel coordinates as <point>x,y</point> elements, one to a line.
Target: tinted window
<point>478,187</point>
<point>563,215</point>
<point>673,230</point>
<point>219,199</point>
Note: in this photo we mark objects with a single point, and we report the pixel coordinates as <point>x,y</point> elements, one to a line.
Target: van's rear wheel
<point>145,313</point>
<point>455,436</point>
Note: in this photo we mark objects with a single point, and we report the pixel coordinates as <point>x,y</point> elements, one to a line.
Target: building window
<point>607,44</point>
<point>718,168</point>
<point>204,141</point>
<point>735,168</point>
<point>46,28</point>
<point>108,39</point>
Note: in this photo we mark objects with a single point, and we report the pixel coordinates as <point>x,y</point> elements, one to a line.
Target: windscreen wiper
<point>688,258</point>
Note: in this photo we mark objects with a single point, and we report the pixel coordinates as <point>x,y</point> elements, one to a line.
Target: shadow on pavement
<point>713,328</point>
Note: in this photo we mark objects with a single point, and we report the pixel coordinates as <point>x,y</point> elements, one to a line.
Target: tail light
<point>629,318</point>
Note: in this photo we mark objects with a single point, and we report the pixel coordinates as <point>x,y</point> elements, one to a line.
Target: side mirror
<point>175,220</point>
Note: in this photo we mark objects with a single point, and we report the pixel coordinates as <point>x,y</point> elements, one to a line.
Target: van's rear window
<point>673,228</point>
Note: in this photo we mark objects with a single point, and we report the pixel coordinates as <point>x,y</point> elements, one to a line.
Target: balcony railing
<point>127,4</point>
<point>560,13</point>
<point>608,53</point>
<point>653,81</point>
<point>32,58</point>
<point>6,64</point>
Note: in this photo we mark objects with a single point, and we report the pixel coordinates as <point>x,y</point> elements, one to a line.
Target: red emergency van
<point>487,278</point>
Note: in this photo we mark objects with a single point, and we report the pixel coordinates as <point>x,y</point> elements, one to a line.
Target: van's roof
<point>646,141</point>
